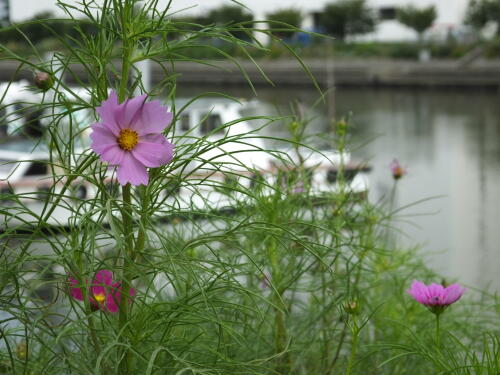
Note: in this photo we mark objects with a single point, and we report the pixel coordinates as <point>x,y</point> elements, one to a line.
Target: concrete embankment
<point>340,72</point>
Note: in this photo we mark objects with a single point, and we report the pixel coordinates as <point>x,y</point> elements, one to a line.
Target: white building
<point>450,16</point>
<point>450,12</point>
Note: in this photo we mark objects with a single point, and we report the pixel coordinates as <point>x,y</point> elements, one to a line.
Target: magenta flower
<point>397,169</point>
<point>129,136</point>
<point>435,296</point>
<point>103,293</point>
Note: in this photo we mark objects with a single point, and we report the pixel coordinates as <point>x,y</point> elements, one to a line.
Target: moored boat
<point>220,151</point>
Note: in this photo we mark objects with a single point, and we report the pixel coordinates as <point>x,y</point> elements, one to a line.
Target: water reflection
<point>450,142</point>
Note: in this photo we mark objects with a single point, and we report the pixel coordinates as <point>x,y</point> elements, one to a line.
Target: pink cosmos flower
<point>103,293</point>
<point>435,296</point>
<point>129,136</point>
<point>397,169</point>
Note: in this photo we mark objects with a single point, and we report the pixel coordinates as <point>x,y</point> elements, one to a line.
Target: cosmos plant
<point>130,137</point>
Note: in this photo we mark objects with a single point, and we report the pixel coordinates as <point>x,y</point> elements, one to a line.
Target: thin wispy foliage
<point>99,277</point>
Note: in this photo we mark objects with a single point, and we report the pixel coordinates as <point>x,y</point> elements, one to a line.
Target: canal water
<point>450,143</point>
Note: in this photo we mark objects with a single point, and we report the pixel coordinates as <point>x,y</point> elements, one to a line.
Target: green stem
<point>392,198</point>
<point>126,54</point>
<point>128,254</point>
<point>141,235</point>
<point>279,318</point>
<point>354,347</point>
<point>438,341</point>
<point>127,257</point>
<point>93,335</point>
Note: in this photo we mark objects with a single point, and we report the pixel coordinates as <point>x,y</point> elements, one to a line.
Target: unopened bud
<point>22,350</point>
<point>44,81</point>
<point>341,128</point>
<point>294,126</point>
<point>397,169</point>
<point>351,307</point>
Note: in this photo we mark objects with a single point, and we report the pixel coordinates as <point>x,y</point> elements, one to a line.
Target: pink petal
<point>113,154</point>
<point>75,291</point>
<point>117,287</point>
<point>103,277</point>
<point>452,294</point>
<point>97,289</point>
<point>102,137</point>
<point>131,171</point>
<point>129,111</point>
<point>106,112</point>
<point>154,118</point>
<point>435,290</point>
<point>113,302</point>
<point>115,296</point>
<point>418,291</point>
<point>154,154</point>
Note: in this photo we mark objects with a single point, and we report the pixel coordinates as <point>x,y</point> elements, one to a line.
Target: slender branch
<point>438,340</point>
<point>127,257</point>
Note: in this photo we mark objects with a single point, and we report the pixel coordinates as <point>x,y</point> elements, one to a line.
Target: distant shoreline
<point>339,73</point>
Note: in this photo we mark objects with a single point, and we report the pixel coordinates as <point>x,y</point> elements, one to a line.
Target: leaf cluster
<point>347,17</point>
<point>418,19</point>
<point>43,26</point>
<point>280,19</point>
<point>480,12</point>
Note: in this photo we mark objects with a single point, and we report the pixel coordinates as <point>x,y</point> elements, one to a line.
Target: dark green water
<point>450,143</point>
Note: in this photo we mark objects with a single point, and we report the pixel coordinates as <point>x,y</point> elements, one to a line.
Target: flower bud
<point>294,126</point>
<point>44,81</point>
<point>397,169</point>
<point>351,307</point>
<point>22,350</point>
<point>341,127</point>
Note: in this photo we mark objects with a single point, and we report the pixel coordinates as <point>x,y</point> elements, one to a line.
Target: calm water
<point>450,143</point>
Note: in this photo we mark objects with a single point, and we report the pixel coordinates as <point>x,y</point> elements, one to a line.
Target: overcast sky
<point>450,11</point>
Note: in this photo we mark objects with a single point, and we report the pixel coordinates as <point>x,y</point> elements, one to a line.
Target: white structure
<point>450,12</point>
<point>227,152</point>
<point>450,16</point>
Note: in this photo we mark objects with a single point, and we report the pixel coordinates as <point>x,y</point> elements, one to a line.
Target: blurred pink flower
<point>435,296</point>
<point>397,169</point>
<point>265,280</point>
<point>103,293</point>
<point>298,188</point>
<point>129,136</point>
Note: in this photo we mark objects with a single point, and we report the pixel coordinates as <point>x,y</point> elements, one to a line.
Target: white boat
<point>220,151</point>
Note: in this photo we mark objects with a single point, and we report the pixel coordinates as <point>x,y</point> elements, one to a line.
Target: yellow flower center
<point>128,139</point>
<point>99,298</point>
